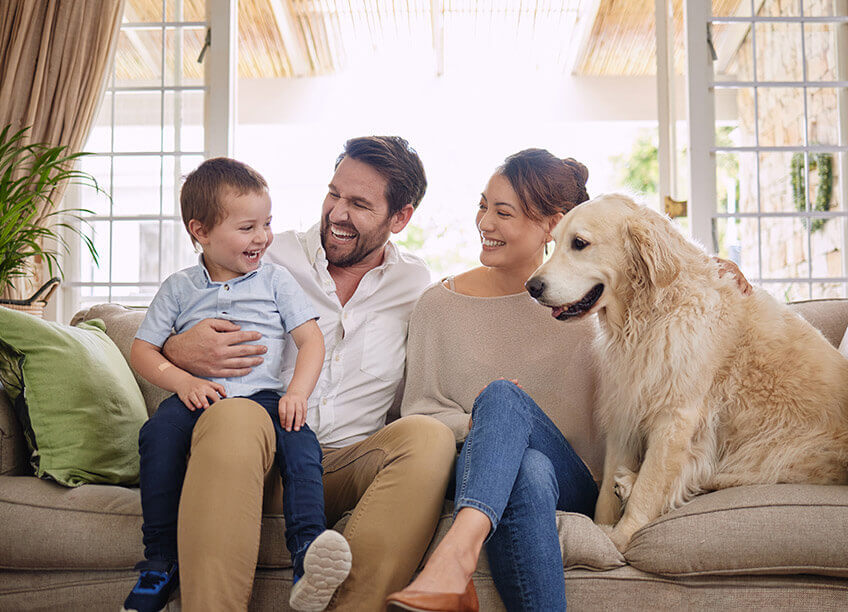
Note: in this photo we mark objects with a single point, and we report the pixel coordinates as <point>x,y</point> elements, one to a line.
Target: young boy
<point>227,211</point>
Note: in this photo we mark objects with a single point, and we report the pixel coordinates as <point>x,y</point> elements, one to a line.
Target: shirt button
<point>324,401</point>
<point>226,287</point>
<point>338,357</point>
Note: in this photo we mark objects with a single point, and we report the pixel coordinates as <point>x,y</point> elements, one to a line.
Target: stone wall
<point>786,245</point>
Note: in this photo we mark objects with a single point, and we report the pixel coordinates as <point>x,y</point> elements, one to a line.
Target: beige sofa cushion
<point>762,529</point>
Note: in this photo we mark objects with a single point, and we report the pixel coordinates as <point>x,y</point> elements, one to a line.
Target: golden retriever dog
<point>701,387</point>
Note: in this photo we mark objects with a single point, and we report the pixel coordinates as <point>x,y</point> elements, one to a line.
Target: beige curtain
<point>55,57</point>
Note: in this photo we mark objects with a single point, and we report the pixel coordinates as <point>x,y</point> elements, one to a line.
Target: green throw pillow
<point>76,397</point>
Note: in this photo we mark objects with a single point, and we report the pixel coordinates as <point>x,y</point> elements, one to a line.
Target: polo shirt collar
<point>233,281</point>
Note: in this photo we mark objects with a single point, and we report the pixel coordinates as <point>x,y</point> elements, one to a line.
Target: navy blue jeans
<point>518,469</point>
<point>163,444</point>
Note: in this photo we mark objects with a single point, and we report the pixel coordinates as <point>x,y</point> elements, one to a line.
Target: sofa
<point>758,547</point>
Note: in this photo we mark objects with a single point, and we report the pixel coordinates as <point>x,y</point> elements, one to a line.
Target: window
<point>148,134</point>
<point>769,192</point>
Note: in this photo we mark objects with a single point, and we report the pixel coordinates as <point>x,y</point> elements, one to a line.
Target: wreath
<point>823,164</point>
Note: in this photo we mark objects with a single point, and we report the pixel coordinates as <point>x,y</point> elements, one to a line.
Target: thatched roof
<point>285,38</point>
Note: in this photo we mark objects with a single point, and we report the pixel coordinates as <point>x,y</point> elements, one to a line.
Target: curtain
<point>55,57</point>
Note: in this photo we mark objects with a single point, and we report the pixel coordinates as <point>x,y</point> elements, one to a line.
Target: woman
<point>517,466</point>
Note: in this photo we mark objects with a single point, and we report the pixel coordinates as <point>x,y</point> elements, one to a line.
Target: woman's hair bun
<point>581,171</point>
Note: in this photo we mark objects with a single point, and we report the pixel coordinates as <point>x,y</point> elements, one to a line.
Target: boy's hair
<point>396,161</point>
<point>200,196</point>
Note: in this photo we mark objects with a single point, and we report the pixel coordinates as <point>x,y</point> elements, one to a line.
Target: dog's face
<point>602,246</point>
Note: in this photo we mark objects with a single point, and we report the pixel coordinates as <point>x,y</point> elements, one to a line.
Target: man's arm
<point>215,348</point>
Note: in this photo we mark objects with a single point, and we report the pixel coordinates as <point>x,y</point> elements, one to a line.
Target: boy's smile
<point>235,246</point>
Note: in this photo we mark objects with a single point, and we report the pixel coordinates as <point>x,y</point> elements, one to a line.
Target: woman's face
<point>508,236</point>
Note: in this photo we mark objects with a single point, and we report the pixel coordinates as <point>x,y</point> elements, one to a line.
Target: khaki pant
<point>394,482</point>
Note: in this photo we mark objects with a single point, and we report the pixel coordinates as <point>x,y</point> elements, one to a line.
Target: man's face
<point>355,219</point>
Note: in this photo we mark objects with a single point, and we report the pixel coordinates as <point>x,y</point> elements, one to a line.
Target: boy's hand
<point>292,409</point>
<point>200,393</point>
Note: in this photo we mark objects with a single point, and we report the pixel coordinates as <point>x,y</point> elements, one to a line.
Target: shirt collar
<point>316,252</point>
<point>237,279</point>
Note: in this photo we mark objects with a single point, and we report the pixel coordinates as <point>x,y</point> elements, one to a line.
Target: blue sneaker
<point>157,581</point>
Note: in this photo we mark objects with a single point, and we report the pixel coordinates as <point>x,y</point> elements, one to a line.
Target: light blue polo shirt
<point>267,300</point>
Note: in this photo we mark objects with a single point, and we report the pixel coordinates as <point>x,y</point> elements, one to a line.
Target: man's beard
<point>364,244</point>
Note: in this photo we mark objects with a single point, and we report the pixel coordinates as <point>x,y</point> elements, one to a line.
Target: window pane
<point>829,290</point>
<point>136,189</point>
<point>736,182</point>
<point>735,59</point>
<point>828,254</point>
<point>128,295</point>
<point>779,52</point>
<point>729,8</point>
<point>788,292</point>
<point>184,109</point>
<point>780,111</point>
<point>823,113</point>
<point>736,240</point>
<point>780,8</point>
<point>136,251</point>
<point>138,121</point>
<point>821,51</point>
<point>185,10</point>
<point>138,60</point>
<point>177,251</point>
<point>822,9</point>
<point>100,168</point>
<point>99,232</point>
<point>785,248</point>
<point>185,43</point>
<point>776,187</point>
<point>142,11</point>
<point>821,186</point>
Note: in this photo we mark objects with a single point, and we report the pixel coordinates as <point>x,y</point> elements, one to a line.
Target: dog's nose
<point>535,286</point>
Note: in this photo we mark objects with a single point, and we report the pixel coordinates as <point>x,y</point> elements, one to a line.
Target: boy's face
<point>235,246</point>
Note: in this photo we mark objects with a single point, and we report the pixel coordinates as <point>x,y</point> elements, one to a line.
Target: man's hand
<point>215,348</point>
<point>292,410</point>
<point>199,393</point>
<point>728,267</point>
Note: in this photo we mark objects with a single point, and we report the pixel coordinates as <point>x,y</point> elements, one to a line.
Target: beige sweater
<point>458,344</point>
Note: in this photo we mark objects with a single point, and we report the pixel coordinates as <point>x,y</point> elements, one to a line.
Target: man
<point>393,478</point>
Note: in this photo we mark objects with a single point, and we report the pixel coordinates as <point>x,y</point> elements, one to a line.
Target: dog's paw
<point>620,538</point>
<point>624,480</point>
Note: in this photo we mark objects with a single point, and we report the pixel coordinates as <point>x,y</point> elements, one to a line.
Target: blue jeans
<point>518,469</point>
<point>163,444</point>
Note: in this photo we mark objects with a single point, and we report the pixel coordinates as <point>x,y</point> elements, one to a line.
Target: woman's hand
<point>728,267</point>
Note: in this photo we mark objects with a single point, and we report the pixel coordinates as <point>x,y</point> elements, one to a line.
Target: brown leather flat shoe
<point>420,601</point>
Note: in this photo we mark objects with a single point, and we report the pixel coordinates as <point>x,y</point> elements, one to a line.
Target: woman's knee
<point>536,477</point>
<point>501,399</point>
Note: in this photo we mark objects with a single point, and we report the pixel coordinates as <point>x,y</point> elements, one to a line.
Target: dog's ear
<point>651,247</point>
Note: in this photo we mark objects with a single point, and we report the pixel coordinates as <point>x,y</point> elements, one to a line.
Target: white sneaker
<point>325,567</point>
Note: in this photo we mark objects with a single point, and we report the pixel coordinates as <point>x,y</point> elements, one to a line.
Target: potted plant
<point>30,224</point>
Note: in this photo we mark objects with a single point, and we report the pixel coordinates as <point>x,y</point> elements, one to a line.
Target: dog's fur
<point>701,387</point>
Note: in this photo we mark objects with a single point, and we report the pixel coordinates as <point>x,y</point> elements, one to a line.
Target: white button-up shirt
<point>364,340</point>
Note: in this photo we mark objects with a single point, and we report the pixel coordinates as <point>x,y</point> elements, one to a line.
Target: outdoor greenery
<point>823,163</point>
<point>30,223</point>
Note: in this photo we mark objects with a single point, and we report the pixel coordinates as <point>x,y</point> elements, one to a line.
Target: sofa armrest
<point>13,447</point>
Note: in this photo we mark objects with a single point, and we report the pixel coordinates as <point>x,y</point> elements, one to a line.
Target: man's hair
<point>201,193</point>
<point>395,161</point>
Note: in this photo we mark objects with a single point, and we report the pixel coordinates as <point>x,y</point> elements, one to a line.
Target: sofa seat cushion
<point>582,543</point>
<point>44,525</point>
<point>762,529</point>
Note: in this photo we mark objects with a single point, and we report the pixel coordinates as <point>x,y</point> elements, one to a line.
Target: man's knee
<point>423,436</point>
<point>235,429</point>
